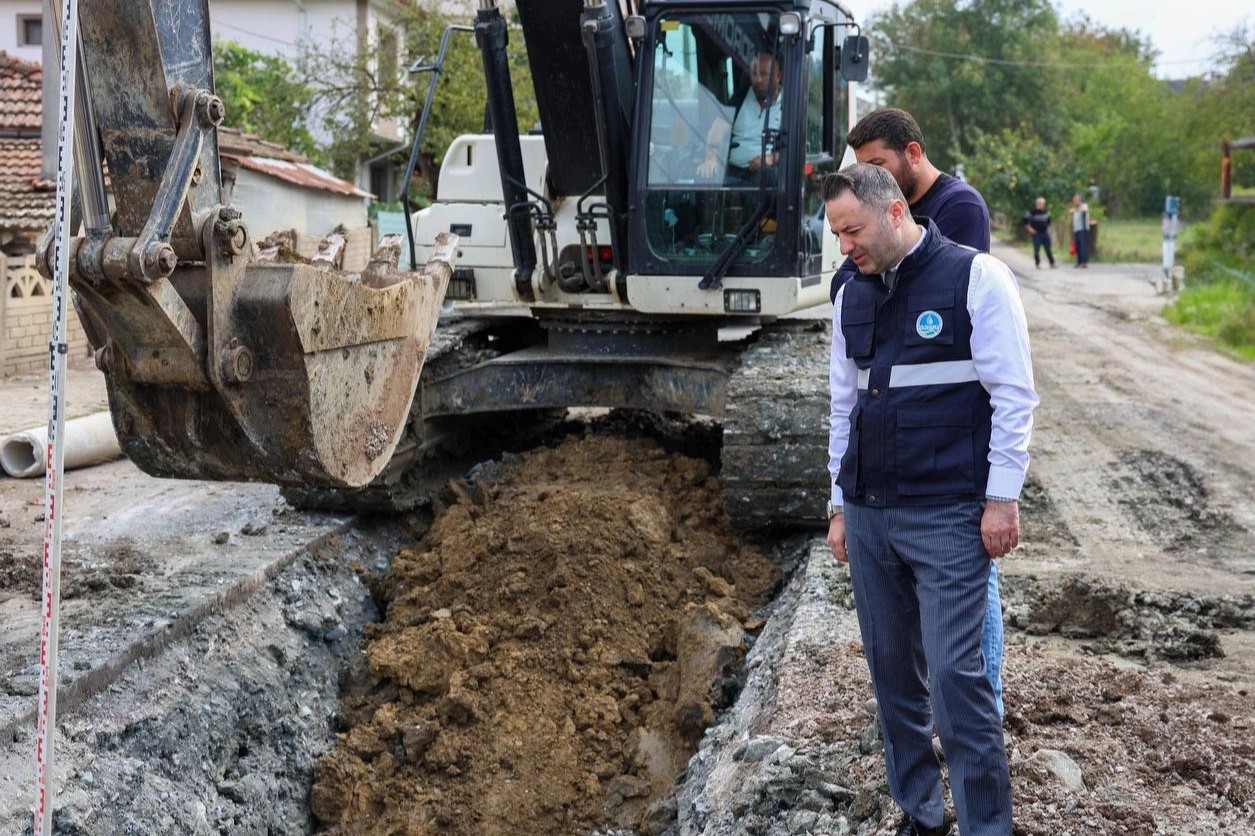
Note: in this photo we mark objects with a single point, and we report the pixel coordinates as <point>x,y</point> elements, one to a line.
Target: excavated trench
<point>579,643</point>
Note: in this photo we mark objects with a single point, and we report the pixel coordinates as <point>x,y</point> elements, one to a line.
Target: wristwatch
<point>833,510</point>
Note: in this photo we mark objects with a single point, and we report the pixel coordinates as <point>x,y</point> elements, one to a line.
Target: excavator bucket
<point>217,366</point>
<point>306,379</point>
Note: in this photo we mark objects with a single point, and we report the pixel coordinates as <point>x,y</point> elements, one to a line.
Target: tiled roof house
<point>27,205</point>
<point>27,202</point>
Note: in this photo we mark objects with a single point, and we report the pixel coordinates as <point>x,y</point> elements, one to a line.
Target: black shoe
<point>910,827</point>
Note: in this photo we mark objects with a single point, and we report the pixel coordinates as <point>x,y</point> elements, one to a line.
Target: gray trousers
<point>920,578</point>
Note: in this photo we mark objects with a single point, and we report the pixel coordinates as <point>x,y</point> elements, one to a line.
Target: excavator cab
<point>712,170</point>
<point>218,367</point>
<point>673,193</point>
<point>738,120</point>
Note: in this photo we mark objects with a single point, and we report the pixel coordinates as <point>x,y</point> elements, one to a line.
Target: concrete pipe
<point>89,440</point>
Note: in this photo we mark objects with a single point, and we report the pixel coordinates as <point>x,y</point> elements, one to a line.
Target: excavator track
<point>775,428</point>
<point>431,453</point>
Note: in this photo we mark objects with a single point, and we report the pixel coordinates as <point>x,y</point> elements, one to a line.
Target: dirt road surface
<point>221,673</point>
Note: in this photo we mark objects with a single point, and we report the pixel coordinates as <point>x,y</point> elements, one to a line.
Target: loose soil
<point>552,651</point>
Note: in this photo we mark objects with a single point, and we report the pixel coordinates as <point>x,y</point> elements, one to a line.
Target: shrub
<point>1225,240</point>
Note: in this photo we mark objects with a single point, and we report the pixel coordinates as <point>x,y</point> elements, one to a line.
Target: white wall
<point>269,205</point>
<point>281,27</point>
<point>278,27</point>
<point>9,10</point>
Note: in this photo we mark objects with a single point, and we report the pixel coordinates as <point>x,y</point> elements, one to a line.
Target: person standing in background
<point>1037,222</point>
<point>1080,230</point>
<point>892,139</point>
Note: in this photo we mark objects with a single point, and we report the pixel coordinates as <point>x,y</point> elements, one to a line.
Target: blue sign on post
<point>1172,205</point>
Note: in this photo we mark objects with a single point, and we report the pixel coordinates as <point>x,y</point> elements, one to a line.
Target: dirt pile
<point>552,651</point>
<point>1132,623</point>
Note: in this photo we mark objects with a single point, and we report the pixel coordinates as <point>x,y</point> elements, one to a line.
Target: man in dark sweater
<point>892,139</point>
<point>1037,221</point>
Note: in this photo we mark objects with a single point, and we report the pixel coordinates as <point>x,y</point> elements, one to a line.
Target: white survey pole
<point>55,450</point>
<point>1171,225</point>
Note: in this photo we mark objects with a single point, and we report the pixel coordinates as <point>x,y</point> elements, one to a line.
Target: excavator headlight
<point>634,25</point>
<point>790,23</point>
<point>742,301</point>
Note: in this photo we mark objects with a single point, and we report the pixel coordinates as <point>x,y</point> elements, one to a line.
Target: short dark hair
<point>871,184</point>
<point>895,127</point>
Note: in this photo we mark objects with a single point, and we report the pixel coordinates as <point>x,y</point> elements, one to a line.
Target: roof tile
<point>26,201</point>
<point>21,95</point>
<point>257,154</point>
<point>29,203</point>
<point>302,174</point>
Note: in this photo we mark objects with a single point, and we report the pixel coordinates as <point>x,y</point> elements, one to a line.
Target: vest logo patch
<point>928,324</point>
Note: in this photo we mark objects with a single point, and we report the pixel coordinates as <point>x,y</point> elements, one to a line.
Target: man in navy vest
<point>932,405</point>
<point>892,139</point>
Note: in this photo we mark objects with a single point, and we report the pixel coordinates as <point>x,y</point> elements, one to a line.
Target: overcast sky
<point>1180,31</point>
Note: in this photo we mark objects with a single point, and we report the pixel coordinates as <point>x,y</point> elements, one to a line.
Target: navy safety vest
<point>919,433</point>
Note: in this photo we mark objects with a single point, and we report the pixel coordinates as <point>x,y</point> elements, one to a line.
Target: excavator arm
<point>217,367</point>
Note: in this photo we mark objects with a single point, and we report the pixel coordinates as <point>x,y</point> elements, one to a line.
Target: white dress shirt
<point>1000,352</point>
<point>747,130</point>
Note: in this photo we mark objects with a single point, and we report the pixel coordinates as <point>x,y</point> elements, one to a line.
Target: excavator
<point>644,248</point>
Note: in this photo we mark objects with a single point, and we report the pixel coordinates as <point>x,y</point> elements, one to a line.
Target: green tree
<point>1222,107</point>
<point>1033,106</point>
<point>1124,133</point>
<point>1013,167</point>
<point>361,82</point>
<point>263,95</point>
<point>968,69</point>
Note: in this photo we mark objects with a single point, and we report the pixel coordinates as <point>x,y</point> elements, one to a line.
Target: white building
<point>285,28</point>
<point>278,190</point>
<point>21,29</point>
<point>288,28</point>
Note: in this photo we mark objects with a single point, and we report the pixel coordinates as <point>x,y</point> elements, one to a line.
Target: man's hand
<point>709,166</point>
<point>999,528</point>
<point>757,162</point>
<point>836,538</point>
